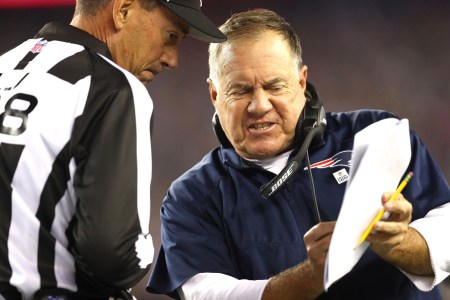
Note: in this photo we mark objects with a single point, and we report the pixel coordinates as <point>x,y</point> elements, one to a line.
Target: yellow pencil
<point>381,213</point>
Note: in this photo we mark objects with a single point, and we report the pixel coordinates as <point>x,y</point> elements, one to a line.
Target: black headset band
<point>278,181</point>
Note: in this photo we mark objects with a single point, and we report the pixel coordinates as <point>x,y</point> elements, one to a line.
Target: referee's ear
<point>122,10</point>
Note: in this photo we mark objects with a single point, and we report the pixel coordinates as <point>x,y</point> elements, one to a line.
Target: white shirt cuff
<point>216,286</point>
<point>432,227</point>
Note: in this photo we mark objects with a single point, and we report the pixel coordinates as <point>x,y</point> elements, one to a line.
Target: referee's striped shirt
<point>75,168</point>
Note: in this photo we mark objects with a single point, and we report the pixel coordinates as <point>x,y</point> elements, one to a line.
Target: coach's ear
<point>212,91</point>
<point>303,75</point>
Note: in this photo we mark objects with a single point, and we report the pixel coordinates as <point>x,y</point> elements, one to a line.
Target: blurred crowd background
<point>384,54</point>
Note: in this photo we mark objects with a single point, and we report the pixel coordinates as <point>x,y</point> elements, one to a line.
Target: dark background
<point>385,54</point>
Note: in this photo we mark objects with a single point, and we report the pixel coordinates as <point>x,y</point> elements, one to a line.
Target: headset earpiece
<point>313,115</point>
<point>218,131</point>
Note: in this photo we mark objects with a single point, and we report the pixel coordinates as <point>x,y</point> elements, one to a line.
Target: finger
<point>388,234</point>
<point>319,231</point>
<point>386,197</point>
<point>400,210</point>
<point>390,228</point>
<point>318,250</point>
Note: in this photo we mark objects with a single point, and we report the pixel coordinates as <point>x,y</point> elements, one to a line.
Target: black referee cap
<point>201,27</point>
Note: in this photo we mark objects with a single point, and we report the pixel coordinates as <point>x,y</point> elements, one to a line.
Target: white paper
<point>381,155</point>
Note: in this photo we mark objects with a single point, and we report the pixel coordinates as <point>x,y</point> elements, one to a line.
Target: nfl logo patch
<point>38,46</point>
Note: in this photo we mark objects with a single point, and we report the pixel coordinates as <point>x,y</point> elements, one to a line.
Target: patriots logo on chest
<point>340,159</point>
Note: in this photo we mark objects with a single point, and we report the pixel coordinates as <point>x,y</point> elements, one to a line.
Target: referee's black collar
<point>67,33</point>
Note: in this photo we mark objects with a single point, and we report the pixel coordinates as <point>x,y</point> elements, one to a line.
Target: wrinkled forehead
<point>271,53</point>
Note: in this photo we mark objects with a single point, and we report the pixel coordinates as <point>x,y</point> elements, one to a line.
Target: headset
<point>310,130</point>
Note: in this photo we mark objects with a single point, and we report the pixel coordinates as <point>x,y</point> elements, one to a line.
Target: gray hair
<point>248,25</point>
<point>91,7</point>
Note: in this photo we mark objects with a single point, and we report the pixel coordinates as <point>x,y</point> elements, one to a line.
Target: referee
<point>75,152</point>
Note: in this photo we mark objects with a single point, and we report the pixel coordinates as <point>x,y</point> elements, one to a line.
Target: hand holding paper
<point>381,154</point>
<point>382,212</point>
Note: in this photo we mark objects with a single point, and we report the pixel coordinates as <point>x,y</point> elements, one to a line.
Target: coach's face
<point>259,95</point>
<point>146,42</point>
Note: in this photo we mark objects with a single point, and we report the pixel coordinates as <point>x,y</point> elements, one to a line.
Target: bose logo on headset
<point>292,167</point>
